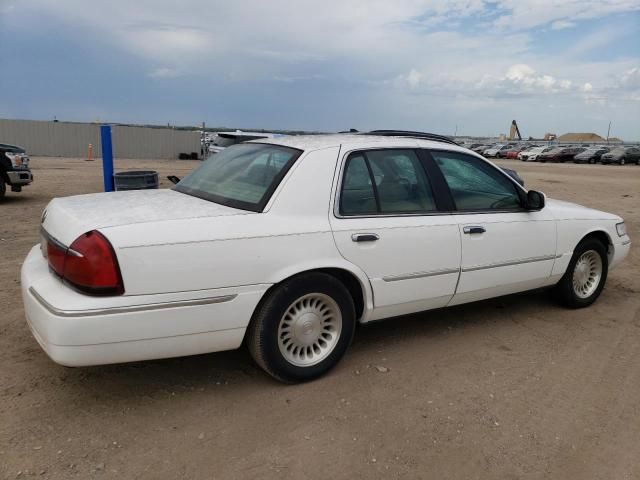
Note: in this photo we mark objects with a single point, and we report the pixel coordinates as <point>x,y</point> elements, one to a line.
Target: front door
<point>387,221</point>
<point>505,249</point>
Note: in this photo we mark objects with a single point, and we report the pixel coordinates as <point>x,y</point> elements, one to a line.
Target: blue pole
<point>107,157</point>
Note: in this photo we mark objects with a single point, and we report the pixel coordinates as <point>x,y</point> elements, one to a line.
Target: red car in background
<point>514,151</point>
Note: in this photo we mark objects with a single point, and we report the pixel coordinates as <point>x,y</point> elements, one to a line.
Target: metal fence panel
<point>62,139</point>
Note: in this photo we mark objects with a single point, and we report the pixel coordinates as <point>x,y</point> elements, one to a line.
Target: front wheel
<point>586,275</point>
<point>3,188</point>
<point>303,327</point>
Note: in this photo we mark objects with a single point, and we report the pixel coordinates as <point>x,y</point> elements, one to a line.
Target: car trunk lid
<point>66,218</point>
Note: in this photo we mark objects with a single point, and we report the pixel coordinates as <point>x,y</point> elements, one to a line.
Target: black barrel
<point>135,180</point>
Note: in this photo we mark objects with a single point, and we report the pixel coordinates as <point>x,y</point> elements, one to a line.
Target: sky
<point>465,66</point>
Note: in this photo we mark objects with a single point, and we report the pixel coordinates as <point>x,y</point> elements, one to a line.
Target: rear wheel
<point>3,187</point>
<point>303,328</point>
<point>586,275</point>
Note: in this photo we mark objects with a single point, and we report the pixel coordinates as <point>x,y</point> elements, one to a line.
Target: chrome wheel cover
<point>310,329</point>
<point>587,274</point>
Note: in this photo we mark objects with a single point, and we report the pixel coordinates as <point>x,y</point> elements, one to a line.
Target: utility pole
<point>455,134</point>
<point>203,145</point>
<point>608,131</point>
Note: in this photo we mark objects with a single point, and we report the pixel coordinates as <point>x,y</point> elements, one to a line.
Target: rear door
<point>505,248</point>
<point>388,220</point>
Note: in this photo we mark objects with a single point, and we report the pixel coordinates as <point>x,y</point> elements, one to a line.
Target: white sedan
<point>495,150</point>
<point>532,154</point>
<point>287,243</point>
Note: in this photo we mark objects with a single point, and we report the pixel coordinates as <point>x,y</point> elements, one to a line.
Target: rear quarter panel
<point>262,248</point>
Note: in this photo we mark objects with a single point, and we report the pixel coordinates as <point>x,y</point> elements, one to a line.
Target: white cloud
<point>520,73</point>
<point>299,78</point>
<point>524,14</point>
<point>167,42</point>
<point>562,24</point>
<point>397,54</point>
<point>518,80</point>
<point>164,72</point>
<point>414,78</point>
<point>631,79</point>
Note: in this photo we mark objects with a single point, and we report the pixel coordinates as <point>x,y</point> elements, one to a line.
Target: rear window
<point>241,176</point>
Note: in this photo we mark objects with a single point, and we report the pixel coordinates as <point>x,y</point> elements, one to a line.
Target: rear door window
<point>385,182</point>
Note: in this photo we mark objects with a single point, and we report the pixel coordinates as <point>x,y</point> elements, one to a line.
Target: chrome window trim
<point>338,194</point>
<point>346,154</point>
<point>433,214</point>
<point>128,309</point>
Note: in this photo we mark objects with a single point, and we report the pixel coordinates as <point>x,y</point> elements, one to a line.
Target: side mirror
<point>173,179</point>
<point>535,200</point>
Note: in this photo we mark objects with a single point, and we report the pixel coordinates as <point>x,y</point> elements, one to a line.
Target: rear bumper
<point>77,330</point>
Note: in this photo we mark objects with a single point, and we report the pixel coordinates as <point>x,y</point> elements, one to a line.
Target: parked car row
<point>561,153</point>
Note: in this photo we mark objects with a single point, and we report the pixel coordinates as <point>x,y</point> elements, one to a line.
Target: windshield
<point>242,176</point>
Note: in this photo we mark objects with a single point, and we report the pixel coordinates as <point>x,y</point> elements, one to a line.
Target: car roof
<point>349,141</point>
<point>242,133</point>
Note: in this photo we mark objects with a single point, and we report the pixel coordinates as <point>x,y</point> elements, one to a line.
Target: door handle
<point>471,229</point>
<point>364,237</point>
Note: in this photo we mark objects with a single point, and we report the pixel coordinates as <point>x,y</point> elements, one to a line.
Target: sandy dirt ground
<point>511,388</point>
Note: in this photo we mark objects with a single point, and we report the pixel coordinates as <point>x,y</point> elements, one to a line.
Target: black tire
<point>3,187</point>
<point>262,335</point>
<point>564,291</point>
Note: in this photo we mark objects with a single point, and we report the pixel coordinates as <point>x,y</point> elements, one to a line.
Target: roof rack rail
<point>406,133</point>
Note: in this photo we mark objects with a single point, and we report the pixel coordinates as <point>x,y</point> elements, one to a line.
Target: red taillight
<point>89,264</point>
